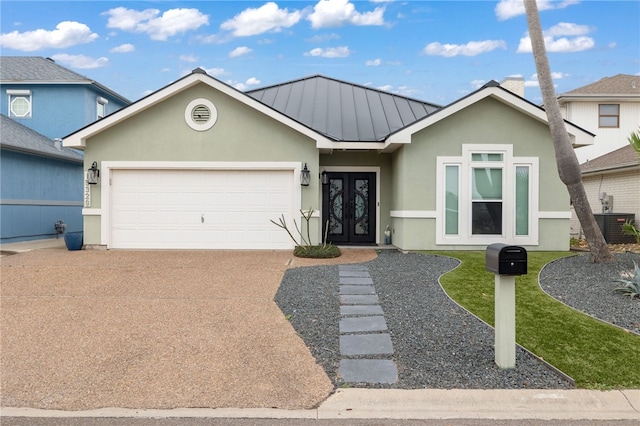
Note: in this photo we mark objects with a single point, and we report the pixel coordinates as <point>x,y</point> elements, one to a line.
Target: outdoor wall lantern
<point>324,178</point>
<point>305,176</point>
<point>93,174</point>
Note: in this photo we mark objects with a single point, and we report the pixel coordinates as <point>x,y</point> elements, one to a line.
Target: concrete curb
<point>503,404</point>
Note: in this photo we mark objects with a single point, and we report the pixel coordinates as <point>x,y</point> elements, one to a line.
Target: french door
<point>349,208</point>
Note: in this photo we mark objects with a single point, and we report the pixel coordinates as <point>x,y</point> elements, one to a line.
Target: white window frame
<point>101,105</point>
<point>16,94</point>
<point>465,166</point>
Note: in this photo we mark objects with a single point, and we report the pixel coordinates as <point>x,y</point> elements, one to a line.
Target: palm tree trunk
<point>566,160</point>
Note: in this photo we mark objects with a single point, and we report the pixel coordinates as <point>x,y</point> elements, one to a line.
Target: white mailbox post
<point>505,262</point>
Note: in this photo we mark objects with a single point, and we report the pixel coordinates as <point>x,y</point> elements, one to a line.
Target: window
<point>486,201</point>
<point>101,107</point>
<point>608,115</point>
<point>487,196</point>
<point>19,103</point>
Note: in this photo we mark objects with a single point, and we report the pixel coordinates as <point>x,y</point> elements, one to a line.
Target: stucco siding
<point>240,134</point>
<point>349,161</point>
<point>476,124</point>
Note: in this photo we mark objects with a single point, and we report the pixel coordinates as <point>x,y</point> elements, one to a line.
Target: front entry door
<point>349,206</point>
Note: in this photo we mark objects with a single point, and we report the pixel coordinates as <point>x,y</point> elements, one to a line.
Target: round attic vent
<point>200,114</point>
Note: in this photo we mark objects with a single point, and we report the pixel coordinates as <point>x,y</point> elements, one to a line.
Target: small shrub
<point>631,287</point>
<point>325,251</point>
<point>628,228</point>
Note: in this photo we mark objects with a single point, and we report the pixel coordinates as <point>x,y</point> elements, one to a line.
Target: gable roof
<point>17,137</point>
<point>621,158</point>
<point>79,138</point>
<point>39,70</point>
<point>618,86</point>
<point>343,111</point>
<point>577,135</point>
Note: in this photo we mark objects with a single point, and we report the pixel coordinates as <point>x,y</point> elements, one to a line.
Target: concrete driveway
<point>153,329</point>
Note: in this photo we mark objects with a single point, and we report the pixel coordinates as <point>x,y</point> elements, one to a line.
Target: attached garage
<point>196,208</point>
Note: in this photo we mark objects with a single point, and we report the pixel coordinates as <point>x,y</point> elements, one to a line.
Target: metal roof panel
<point>343,111</point>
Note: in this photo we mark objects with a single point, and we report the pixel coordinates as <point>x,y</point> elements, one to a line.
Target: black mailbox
<point>503,259</point>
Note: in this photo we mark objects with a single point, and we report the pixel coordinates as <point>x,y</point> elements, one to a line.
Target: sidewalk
<point>500,404</point>
<point>24,246</point>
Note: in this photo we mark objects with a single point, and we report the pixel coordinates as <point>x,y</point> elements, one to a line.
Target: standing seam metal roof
<point>343,111</point>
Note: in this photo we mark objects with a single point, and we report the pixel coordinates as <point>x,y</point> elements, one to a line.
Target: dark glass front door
<point>349,207</point>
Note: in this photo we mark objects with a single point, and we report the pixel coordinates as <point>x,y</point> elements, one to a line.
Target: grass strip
<point>597,355</point>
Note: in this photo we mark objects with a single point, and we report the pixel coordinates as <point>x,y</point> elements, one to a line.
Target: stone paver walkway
<point>364,337</point>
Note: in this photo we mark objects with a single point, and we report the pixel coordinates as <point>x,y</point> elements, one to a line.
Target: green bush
<point>325,251</point>
<point>628,228</point>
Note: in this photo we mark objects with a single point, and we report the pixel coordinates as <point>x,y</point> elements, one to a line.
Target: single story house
<point>201,165</point>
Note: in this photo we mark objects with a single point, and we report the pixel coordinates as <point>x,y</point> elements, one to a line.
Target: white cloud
<point>374,62</point>
<point>158,27</point>
<point>563,37</point>
<point>336,13</point>
<point>214,71</point>
<point>533,81</point>
<point>268,17</point>
<point>66,34</point>
<point>80,61</point>
<point>188,58</point>
<point>239,51</point>
<point>476,84</point>
<point>330,52</point>
<point>244,86</point>
<point>507,9</point>
<point>123,48</point>
<point>320,38</point>
<point>472,48</point>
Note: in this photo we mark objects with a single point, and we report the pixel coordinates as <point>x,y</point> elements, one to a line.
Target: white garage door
<point>200,209</point>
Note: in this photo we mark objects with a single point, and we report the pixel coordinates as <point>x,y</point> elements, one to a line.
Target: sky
<point>434,51</point>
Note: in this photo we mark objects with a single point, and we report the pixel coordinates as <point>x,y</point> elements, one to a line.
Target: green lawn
<point>595,354</point>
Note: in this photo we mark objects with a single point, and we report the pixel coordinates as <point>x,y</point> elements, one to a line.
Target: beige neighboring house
<point>609,108</point>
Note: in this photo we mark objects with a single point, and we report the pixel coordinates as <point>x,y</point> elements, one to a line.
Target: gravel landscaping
<point>588,287</point>
<point>437,344</point>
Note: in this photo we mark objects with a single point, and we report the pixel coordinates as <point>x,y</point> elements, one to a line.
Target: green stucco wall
<point>487,122</point>
<point>351,159</point>
<point>241,133</point>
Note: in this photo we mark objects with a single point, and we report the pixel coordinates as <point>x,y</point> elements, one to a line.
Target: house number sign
<point>87,193</point>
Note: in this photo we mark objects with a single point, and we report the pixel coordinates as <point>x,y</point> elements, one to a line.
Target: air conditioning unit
<point>611,227</point>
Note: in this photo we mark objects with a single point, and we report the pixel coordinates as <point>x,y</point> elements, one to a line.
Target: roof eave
<point>79,138</point>
<point>611,169</point>
<point>61,156</point>
<point>579,137</point>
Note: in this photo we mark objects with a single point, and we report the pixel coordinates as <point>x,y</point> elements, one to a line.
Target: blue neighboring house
<point>41,182</point>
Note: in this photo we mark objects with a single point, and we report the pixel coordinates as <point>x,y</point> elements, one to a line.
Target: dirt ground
<point>153,329</point>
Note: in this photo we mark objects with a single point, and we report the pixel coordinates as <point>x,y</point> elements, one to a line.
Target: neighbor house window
<point>101,107</point>
<point>487,195</point>
<point>19,103</point>
<point>609,115</point>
